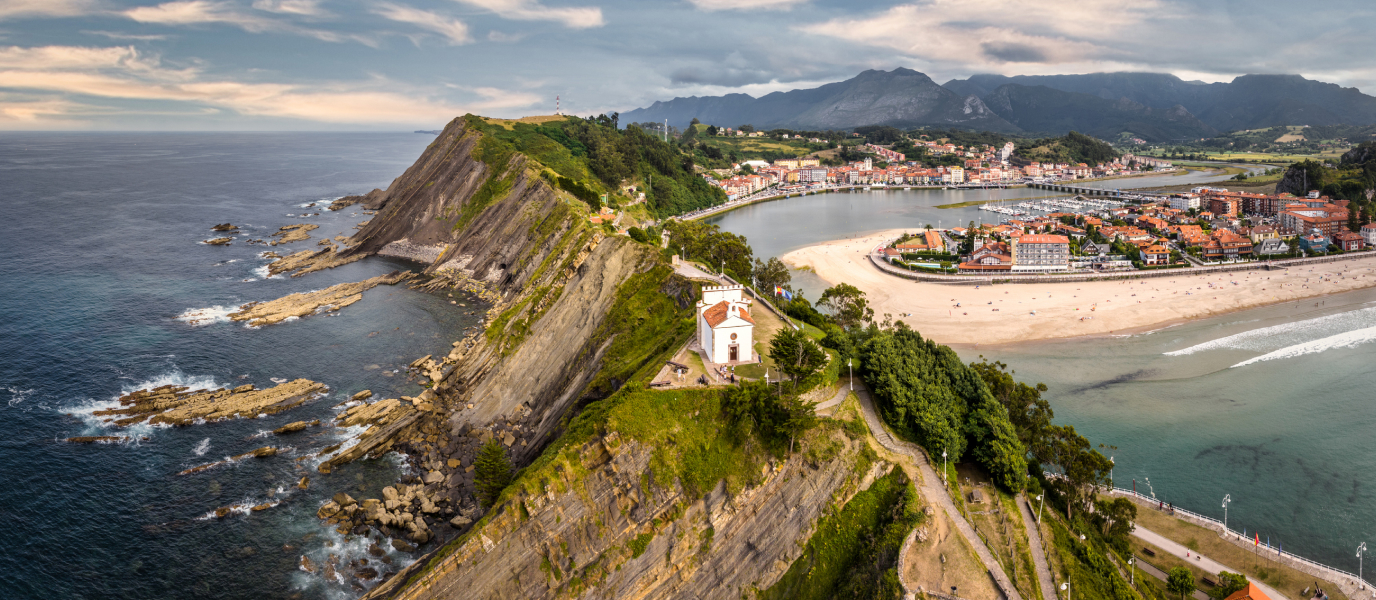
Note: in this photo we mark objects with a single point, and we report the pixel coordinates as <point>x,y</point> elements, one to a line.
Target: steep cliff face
<point>620,515</point>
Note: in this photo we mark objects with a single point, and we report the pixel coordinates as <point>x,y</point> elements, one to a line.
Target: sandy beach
<point>1000,314</point>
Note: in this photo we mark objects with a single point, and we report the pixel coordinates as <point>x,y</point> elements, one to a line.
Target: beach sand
<point>1000,314</point>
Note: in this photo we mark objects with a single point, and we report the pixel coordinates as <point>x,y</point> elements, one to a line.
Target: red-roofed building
<point>991,257</point>
<point>1156,255</point>
<point>1348,241</point>
<point>1251,592</point>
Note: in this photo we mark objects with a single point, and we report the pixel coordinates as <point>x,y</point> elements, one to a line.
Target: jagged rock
<point>310,261</point>
<point>305,483</point>
<point>263,452</point>
<point>293,233</point>
<point>99,439</point>
<point>454,463</point>
<point>327,510</point>
<point>366,573</point>
<point>307,565</point>
<point>222,512</point>
<point>304,304</point>
<point>376,550</point>
<point>260,507</point>
<point>343,499</point>
<point>434,477</point>
<point>295,427</point>
<point>360,530</point>
<point>459,521</point>
<point>420,536</point>
<point>220,241</point>
<point>402,546</point>
<point>248,387</point>
<point>389,493</point>
<point>363,395</point>
<point>225,227</point>
<point>175,405</point>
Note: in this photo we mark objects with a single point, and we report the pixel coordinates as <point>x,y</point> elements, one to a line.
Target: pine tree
<point>491,472</point>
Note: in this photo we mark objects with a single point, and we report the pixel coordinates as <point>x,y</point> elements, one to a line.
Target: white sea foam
<point>1347,339</point>
<point>18,396</point>
<point>1280,337</point>
<point>86,409</point>
<point>205,316</point>
<point>202,447</point>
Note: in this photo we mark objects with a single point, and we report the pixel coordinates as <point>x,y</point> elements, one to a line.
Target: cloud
<point>123,73</point>
<point>497,36</point>
<point>532,10</point>
<point>310,8</point>
<point>115,35</point>
<point>716,5</point>
<point>980,34</point>
<point>47,8</point>
<point>452,29</point>
<point>199,12</point>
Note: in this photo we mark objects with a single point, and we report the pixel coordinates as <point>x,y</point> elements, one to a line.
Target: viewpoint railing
<point>1301,563</point>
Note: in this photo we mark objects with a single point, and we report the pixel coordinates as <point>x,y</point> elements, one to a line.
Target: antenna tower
<point>556,106</point>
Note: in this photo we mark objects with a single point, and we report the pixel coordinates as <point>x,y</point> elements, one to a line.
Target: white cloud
<point>198,12</point>
<point>47,8</point>
<point>123,73</point>
<point>532,10</point>
<point>715,5</point>
<point>310,8</point>
<point>452,29</point>
<point>1023,36</point>
<point>115,35</point>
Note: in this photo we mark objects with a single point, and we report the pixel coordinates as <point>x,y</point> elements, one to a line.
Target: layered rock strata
<point>178,405</point>
<point>293,233</point>
<point>303,304</point>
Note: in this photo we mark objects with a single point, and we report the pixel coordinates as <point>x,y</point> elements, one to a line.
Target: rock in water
<point>176,405</point>
<point>292,427</point>
<point>305,483</point>
<point>225,227</point>
<point>308,303</point>
<point>98,439</point>
<point>293,233</point>
<point>220,241</point>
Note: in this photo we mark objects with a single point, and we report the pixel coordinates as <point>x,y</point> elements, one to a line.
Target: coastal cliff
<point>649,497</point>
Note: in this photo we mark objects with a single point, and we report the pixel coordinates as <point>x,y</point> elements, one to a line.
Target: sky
<point>403,64</point>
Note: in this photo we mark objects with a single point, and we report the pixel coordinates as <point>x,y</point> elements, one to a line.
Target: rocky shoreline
<point>177,405</point>
<point>304,304</point>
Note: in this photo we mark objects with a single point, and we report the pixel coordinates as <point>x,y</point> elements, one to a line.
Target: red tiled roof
<point>1251,592</point>
<point>717,314</point>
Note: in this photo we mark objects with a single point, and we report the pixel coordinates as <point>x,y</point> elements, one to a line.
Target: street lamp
<point>1227,499</point>
<point>1111,464</point>
<point>852,375</point>
<point>1040,503</point>
<point>943,468</point>
<point>1066,586</point>
<point>1360,550</point>
<point>1132,571</point>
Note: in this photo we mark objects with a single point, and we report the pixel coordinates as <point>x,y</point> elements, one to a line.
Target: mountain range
<point>1152,106</point>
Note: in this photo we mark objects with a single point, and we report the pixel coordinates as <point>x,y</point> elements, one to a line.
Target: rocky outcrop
<point>303,304</point>
<point>225,227</point>
<point>348,201</point>
<point>99,439</point>
<point>295,427</point>
<point>221,241</point>
<point>177,405</point>
<point>309,261</point>
<point>1301,177</point>
<point>293,233</point>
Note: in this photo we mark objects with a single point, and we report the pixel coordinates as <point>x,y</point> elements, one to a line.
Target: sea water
<point>107,289</point>
<point>1274,406</point>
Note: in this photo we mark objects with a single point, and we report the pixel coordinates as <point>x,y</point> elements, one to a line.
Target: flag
<point>778,291</point>
<point>1257,541</point>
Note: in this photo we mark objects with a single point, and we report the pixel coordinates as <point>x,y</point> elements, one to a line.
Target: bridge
<point>1089,191</point>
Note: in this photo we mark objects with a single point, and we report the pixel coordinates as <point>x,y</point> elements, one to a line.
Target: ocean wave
<point>86,409</point>
<point>198,317</point>
<point>202,447</point>
<point>1347,339</point>
<point>1278,337</point>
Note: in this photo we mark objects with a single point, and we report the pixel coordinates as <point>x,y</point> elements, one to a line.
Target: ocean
<point>1272,406</point>
<point>101,256</point>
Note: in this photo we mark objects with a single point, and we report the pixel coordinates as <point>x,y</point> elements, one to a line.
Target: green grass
<point>855,550</point>
<point>644,325</point>
<point>639,544</point>
<point>1086,566</point>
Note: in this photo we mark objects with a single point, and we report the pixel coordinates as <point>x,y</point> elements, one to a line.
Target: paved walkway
<point>933,492</point>
<point>692,271</point>
<point>1034,543</point>
<point>1207,564</point>
<point>837,399</point>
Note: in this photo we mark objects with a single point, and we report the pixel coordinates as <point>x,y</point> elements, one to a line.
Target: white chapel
<point>725,327</point>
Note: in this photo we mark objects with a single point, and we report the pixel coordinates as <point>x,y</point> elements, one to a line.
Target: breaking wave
<point>1347,339</point>
<point>205,316</point>
<point>1281,338</point>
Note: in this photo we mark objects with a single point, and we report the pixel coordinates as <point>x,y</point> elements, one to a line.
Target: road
<point>1207,564</point>
<point>933,491</point>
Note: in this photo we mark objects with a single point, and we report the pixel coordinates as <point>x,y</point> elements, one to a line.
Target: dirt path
<point>934,493</point>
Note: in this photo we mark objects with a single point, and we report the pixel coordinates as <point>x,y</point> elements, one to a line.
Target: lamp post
<point>852,375</point>
<point>1066,586</point>
<point>1360,549</point>
<point>943,468</point>
<point>1111,464</point>
<point>1040,503</point>
<point>1227,499</point>
<point>1132,570</point>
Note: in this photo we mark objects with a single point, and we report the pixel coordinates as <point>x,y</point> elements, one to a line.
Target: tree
<point>711,130</point>
<point>1084,468</point>
<point>1229,583</point>
<point>491,472</point>
<point>1030,414</point>
<point>695,121</point>
<point>1118,515</point>
<point>1180,582</point>
<point>847,305</point>
<point>638,235</point>
<point>770,274</point>
<point>799,416</point>
<point>796,355</point>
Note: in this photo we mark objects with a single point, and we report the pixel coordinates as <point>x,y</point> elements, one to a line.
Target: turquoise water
<point>1290,435</point>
